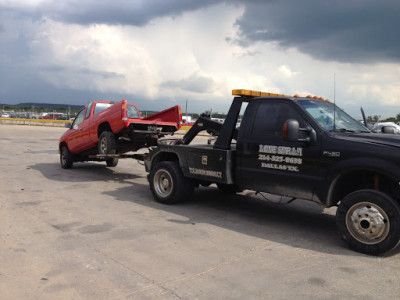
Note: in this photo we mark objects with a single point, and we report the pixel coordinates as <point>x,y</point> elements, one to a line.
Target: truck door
<point>84,142</point>
<point>266,162</point>
<point>74,134</point>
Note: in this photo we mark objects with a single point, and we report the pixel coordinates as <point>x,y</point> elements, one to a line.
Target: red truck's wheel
<point>66,160</point>
<point>107,143</point>
<point>113,162</point>
<point>369,221</point>
<point>168,185</point>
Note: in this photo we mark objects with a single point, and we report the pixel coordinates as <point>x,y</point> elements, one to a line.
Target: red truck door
<point>79,136</point>
<point>75,132</point>
<point>84,142</point>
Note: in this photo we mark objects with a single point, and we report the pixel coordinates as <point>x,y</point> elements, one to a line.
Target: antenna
<point>334,101</point>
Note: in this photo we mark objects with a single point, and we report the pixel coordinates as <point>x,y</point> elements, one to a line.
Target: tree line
<point>377,118</point>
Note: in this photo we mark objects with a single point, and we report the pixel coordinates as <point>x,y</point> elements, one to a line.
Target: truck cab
<point>305,145</point>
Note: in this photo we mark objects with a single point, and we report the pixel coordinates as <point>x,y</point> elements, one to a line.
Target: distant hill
<point>56,107</point>
<point>47,105</point>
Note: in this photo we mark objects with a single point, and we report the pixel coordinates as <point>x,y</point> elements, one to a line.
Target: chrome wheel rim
<point>367,223</point>
<point>103,145</point>
<point>63,157</point>
<point>163,183</point>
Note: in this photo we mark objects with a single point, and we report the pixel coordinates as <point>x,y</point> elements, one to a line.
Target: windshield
<point>323,113</point>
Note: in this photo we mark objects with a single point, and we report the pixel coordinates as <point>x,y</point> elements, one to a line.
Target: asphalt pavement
<point>94,232</point>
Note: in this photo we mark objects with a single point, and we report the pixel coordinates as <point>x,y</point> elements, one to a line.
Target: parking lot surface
<point>94,232</point>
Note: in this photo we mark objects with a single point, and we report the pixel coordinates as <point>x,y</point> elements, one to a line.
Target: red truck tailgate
<point>170,115</point>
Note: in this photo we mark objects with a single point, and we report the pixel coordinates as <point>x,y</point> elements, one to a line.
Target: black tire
<point>66,159</point>
<point>112,162</point>
<point>228,188</point>
<point>369,221</point>
<point>107,143</point>
<point>167,183</point>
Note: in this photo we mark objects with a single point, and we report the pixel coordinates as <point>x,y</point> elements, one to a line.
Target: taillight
<point>124,110</point>
<point>180,115</point>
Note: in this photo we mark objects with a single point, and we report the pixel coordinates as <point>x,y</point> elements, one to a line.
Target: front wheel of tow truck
<point>108,145</point>
<point>369,221</point>
<point>168,185</point>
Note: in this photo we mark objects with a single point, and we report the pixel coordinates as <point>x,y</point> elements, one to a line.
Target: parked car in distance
<point>51,116</point>
<point>5,115</point>
<point>378,127</point>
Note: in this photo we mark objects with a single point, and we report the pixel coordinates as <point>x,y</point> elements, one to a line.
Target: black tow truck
<point>300,147</point>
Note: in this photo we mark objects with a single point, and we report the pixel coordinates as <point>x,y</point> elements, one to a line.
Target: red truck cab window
<point>132,112</point>
<point>100,107</point>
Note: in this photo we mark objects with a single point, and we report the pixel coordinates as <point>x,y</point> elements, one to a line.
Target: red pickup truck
<point>111,129</point>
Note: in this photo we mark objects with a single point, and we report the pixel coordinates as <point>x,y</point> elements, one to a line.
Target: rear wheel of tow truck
<point>168,185</point>
<point>108,145</point>
<point>369,221</point>
<point>66,160</point>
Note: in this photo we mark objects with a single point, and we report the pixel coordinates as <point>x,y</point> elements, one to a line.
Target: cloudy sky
<point>158,53</point>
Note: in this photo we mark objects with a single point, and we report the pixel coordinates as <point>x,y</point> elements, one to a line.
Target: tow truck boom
<point>225,132</point>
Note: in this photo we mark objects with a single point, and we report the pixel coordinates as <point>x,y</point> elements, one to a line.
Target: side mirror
<point>313,136</point>
<point>291,131</point>
<point>387,129</point>
<point>68,125</point>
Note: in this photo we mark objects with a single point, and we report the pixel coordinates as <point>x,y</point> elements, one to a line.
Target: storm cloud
<point>169,51</point>
<point>361,31</point>
<point>123,12</point>
<point>195,83</point>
